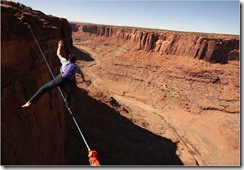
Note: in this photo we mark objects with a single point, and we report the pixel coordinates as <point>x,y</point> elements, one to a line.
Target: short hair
<point>72,58</point>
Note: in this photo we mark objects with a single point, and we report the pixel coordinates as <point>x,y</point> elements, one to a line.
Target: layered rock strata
<point>44,133</point>
<point>198,100</point>
<point>34,135</point>
<point>210,47</point>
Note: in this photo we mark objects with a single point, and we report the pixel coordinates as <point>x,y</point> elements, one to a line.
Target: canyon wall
<point>34,135</point>
<point>132,55</point>
<point>197,99</point>
<point>44,133</point>
<point>210,47</point>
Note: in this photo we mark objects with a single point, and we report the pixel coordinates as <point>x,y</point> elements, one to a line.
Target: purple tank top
<point>70,71</point>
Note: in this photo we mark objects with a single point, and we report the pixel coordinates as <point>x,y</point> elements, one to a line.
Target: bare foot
<point>26,104</point>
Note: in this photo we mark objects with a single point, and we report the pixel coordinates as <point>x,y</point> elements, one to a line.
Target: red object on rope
<point>93,158</point>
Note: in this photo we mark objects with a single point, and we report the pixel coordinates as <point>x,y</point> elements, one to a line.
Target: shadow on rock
<point>117,140</point>
<point>82,55</point>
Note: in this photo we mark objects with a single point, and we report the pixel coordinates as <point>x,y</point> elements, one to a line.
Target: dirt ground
<point>191,102</point>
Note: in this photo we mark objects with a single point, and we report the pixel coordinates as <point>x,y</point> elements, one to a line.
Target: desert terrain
<point>150,97</point>
<point>192,102</point>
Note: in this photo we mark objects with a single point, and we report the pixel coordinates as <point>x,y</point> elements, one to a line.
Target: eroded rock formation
<point>212,48</point>
<point>174,94</point>
<point>177,110</point>
<point>33,135</point>
<point>44,133</point>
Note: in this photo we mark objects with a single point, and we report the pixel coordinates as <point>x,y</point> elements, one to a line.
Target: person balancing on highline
<point>65,79</point>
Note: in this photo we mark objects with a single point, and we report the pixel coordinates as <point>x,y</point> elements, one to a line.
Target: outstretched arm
<point>60,45</point>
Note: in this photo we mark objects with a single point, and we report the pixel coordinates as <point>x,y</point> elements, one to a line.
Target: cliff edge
<point>214,48</point>
<point>35,135</point>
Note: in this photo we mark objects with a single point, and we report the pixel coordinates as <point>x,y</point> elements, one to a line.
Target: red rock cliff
<point>44,133</point>
<point>177,85</point>
<point>34,135</point>
<point>212,48</point>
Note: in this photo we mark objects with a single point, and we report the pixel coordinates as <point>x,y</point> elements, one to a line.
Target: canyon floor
<point>170,96</point>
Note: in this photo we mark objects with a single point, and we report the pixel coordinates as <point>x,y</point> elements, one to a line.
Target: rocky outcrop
<point>213,48</point>
<point>34,135</point>
<point>197,103</point>
<point>44,133</point>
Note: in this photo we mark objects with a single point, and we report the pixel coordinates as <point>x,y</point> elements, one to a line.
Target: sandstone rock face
<point>148,101</point>
<point>212,48</point>
<point>44,133</point>
<point>35,135</point>
<point>168,88</point>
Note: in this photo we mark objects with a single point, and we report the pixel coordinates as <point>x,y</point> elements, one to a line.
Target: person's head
<point>72,58</point>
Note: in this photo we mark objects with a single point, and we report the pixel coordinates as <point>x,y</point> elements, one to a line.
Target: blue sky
<point>195,16</point>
